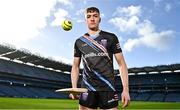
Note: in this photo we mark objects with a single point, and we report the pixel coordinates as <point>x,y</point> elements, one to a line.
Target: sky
<point>148,30</point>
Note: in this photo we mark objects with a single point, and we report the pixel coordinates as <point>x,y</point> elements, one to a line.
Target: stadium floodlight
<point>166,72</point>
<point>141,73</point>
<point>130,74</point>
<point>154,72</point>
<point>177,71</point>
<point>67,72</point>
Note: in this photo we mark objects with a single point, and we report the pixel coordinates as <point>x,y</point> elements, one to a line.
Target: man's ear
<point>99,20</point>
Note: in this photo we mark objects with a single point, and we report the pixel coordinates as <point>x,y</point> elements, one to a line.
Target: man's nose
<point>92,20</point>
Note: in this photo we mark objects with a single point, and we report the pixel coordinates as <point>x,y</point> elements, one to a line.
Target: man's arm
<point>75,75</point>
<point>124,77</point>
<point>75,72</point>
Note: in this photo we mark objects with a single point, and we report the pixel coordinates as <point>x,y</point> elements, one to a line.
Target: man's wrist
<point>74,86</point>
<point>125,88</point>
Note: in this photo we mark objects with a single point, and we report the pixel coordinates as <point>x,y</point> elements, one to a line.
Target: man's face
<point>93,20</point>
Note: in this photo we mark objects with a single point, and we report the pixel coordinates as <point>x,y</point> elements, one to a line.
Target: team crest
<point>104,42</point>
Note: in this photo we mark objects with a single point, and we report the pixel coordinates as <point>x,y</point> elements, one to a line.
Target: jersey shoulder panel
<point>107,33</point>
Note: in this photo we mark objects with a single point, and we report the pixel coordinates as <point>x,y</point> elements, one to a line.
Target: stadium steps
<point>164,98</point>
<point>156,97</point>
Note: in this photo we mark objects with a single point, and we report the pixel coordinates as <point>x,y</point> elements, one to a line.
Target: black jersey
<point>97,57</point>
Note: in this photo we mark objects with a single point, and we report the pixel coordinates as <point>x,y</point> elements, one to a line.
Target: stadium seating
<point>173,96</point>
<point>153,87</point>
<point>157,96</point>
<point>30,71</point>
<point>21,80</point>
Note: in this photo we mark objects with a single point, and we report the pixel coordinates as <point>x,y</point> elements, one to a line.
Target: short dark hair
<point>92,9</point>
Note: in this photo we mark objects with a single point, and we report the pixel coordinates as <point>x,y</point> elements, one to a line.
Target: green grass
<point>58,104</point>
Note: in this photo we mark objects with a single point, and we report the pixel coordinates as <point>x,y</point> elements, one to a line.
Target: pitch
<point>65,104</point>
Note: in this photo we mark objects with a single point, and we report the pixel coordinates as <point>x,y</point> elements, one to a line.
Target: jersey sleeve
<point>77,52</point>
<point>116,48</point>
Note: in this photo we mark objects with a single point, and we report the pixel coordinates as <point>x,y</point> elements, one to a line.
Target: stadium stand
<point>158,83</point>
<point>17,79</point>
<point>23,74</point>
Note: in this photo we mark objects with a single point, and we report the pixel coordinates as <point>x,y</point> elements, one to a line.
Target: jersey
<point>97,57</point>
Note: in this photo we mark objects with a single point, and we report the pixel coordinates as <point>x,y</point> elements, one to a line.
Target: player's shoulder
<point>108,34</point>
<point>79,39</point>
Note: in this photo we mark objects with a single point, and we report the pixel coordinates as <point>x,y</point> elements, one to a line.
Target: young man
<point>96,49</point>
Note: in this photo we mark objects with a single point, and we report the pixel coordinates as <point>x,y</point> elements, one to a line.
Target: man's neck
<point>93,32</point>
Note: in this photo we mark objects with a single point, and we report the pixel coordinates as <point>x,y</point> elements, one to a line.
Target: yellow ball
<point>67,25</point>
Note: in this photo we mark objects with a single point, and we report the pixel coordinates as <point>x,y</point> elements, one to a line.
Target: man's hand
<point>73,96</point>
<point>125,98</point>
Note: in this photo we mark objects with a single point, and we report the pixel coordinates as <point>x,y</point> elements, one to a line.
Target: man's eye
<point>96,16</point>
<point>88,16</point>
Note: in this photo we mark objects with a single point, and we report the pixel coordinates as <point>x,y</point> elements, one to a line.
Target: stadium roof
<point>25,56</point>
<point>159,69</point>
<point>10,52</point>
